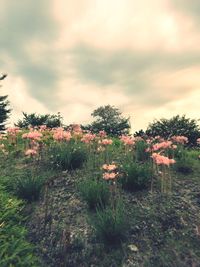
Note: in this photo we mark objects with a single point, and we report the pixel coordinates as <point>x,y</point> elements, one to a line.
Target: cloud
<point>190,8</point>
<point>73,56</point>
<point>20,99</point>
<point>139,74</point>
<point>23,24</point>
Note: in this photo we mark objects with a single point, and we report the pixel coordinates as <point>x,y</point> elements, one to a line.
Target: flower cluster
<point>88,138</point>
<point>110,171</point>
<point>162,160</point>
<point>127,140</point>
<point>106,142</point>
<point>102,134</point>
<point>13,130</point>
<point>42,127</point>
<point>76,129</point>
<point>162,145</point>
<point>33,135</point>
<point>180,139</point>
<point>31,152</point>
<point>60,134</point>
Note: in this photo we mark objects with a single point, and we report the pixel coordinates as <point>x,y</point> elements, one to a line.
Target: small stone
<point>133,248</point>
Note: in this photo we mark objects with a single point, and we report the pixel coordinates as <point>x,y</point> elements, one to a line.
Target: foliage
<point>4,111</point>
<point>184,165</point>
<point>140,151</point>
<point>140,133</point>
<point>28,186</point>
<point>193,154</point>
<point>109,119</point>
<point>136,176</point>
<point>94,192</point>
<point>67,156</point>
<point>177,125</point>
<point>51,121</point>
<point>110,223</point>
<point>14,249</point>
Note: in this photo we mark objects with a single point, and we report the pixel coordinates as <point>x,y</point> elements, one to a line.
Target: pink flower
<point>43,127</point>
<point>198,141</point>
<point>60,134</point>
<point>67,136</point>
<point>127,140</point>
<point>76,129</point>
<point>162,145</point>
<point>30,152</point>
<point>180,139</point>
<point>106,142</point>
<point>109,176</point>
<point>88,138</point>
<point>102,134</point>
<point>162,160</point>
<point>24,135</point>
<point>109,167</point>
<point>13,130</point>
<point>33,135</point>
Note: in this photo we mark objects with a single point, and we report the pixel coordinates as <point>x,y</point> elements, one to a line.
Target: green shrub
<point>14,249</point>
<point>177,125</point>
<point>95,193</point>
<point>193,154</point>
<point>184,165</point>
<point>140,151</point>
<point>28,186</point>
<point>136,176</point>
<point>67,156</point>
<point>116,142</point>
<point>184,162</point>
<point>110,223</point>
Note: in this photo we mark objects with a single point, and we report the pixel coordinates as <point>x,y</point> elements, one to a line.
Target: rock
<point>133,248</point>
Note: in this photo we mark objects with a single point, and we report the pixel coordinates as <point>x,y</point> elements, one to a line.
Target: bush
<point>67,156</point>
<point>28,186</point>
<point>184,162</point>
<point>193,154</point>
<point>184,165</point>
<point>14,249</point>
<point>140,151</point>
<point>110,224</point>
<point>136,176</point>
<point>95,193</point>
<point>177,125</point>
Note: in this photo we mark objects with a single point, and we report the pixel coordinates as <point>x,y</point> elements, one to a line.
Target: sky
<point>72,56</point>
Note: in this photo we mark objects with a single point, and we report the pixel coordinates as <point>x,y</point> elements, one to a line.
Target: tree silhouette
<point>4,110</point>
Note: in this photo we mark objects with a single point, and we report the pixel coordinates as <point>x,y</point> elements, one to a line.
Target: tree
<point>4,110</point>
<point>177,125</point>
<point>140,133</point>
<point>51,121</point>
<point>109,119</point>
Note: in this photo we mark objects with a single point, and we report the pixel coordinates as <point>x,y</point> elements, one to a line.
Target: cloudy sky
<point>73,56</point>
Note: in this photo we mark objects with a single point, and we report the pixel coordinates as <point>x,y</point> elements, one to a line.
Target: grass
<point>110,224</point>
<point>94,192</point>
<point>136,176</point>
<point>14,248</point>
<point>149,228</point>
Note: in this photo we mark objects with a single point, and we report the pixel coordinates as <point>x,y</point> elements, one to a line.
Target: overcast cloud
<point>73,56</point>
